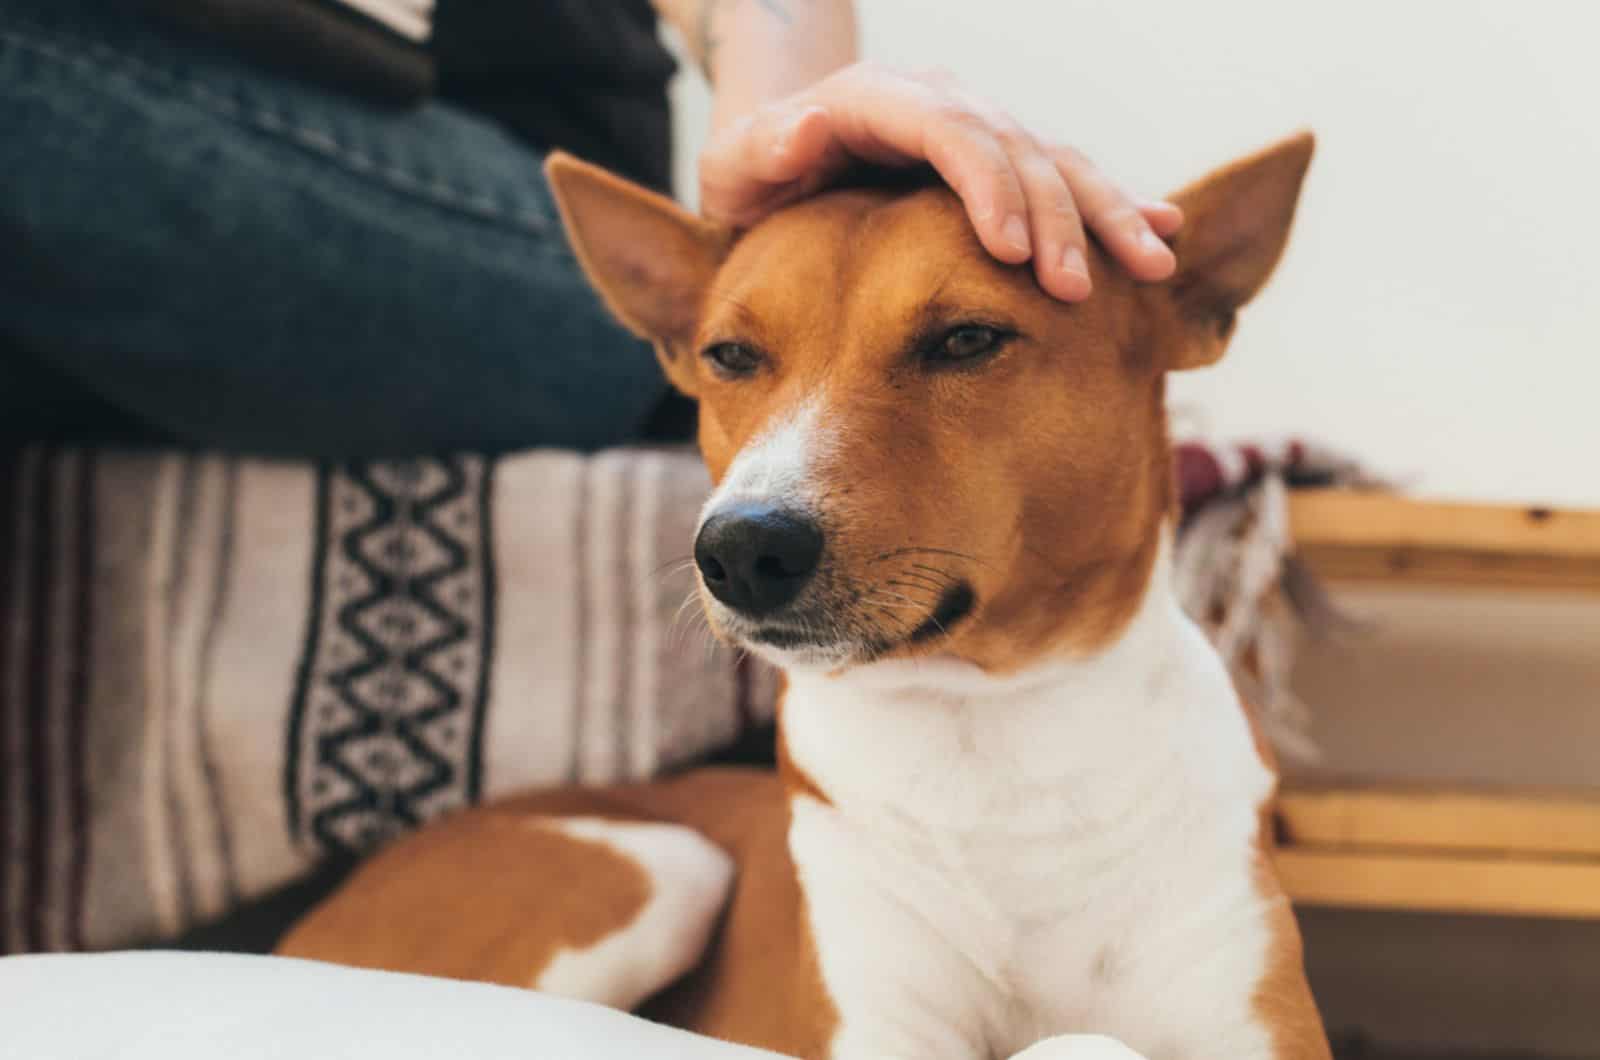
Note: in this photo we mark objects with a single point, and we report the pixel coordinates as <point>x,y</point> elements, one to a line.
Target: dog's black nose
<point>755,558</point>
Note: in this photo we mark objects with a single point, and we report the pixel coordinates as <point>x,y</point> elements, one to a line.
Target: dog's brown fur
<point>1040,476</point>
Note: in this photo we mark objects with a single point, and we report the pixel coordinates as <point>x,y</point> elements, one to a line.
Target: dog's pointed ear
<point>649,258</point>
<point>1236,223</point>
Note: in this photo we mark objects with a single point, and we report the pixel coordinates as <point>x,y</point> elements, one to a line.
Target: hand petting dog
<point>794,110</point>
<point>1027,198</point>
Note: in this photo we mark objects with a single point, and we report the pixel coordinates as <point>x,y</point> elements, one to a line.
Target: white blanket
<point>178,1006</point>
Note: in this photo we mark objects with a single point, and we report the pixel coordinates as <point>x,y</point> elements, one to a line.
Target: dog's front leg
<point>1078,1047</point>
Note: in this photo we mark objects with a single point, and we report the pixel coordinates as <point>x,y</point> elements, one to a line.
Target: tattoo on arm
<point>706,37</point>
<point>779,10</point>
<point>704,44</point>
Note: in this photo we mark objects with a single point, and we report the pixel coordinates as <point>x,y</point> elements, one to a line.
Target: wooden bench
<point>1502,852</point>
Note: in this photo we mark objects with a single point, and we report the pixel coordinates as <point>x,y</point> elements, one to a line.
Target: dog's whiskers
<point>689,601</point>
<point>926,582</point>
<point>672,566</point>
<point>690,621</point>
<point>937,571</point>
<point>928,550</point>
<point>926,587</point>
<point>882,602</point>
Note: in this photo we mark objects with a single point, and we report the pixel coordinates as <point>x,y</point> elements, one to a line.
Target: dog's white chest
<point>1072,855</point>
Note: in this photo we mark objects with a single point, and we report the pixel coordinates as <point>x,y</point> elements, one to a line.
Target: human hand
<point>1027,199</point>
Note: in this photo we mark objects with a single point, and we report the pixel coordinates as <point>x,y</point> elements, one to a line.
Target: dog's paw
<point>1078,1047</point>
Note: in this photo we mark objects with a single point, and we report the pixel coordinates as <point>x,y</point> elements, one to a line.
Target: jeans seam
<point>104,59</point>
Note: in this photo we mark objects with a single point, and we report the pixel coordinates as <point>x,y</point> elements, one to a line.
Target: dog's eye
<point>732,360</point>
<point>966,343</point>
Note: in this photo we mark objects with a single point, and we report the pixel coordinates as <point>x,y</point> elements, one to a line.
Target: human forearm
<point>757,51</point>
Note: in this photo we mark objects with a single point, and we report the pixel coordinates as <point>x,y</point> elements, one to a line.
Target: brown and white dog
<point>1020,806</point>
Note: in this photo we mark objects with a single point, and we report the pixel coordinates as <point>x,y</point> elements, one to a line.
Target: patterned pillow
<point>214,672</point>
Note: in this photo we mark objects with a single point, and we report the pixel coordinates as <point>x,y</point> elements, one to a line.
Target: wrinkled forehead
<point>850,261</point>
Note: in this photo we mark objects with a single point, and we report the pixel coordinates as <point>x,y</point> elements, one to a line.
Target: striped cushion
<point>214,673</point>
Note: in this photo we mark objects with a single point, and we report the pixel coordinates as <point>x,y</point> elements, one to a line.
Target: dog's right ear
<point>649,258</point>
<point>1236,224</point>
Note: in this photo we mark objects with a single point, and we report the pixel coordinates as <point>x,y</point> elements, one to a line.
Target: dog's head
<point>916,449</point>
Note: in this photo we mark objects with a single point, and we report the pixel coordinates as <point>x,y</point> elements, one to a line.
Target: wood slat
<point>1356,518</point>
<point>1353,536</point>
<point>1470,570</point>
<point>1441,884</point>
<point>1539,823</point>
<point>1505,853</point>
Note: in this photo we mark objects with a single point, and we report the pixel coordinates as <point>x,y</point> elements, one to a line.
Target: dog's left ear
<point>1236,223</point>
<point>649,258</point>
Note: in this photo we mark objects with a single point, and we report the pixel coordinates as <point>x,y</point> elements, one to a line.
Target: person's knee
<point>235,290</point>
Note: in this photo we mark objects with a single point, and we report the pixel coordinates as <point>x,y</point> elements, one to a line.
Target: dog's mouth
<point>845,637</point>
<point>956,604</point>
<point>784,638</point>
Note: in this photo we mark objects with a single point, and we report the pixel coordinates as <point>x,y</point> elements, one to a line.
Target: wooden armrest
<point>1510,852</point>
<point>1435,883</point>
<point>1360,536</point>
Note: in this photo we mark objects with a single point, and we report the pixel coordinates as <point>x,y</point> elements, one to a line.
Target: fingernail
<point>1156,250</point>
<point>1072,260</point>
<point>1148,240</point>
<point>1015,231</point>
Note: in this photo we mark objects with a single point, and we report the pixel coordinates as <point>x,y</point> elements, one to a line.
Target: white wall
<point>1438,312</point>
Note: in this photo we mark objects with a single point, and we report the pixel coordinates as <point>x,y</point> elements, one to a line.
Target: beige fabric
<point>216,672</point>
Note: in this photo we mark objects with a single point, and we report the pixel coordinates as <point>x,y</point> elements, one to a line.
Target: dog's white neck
<point>944,740</point>
<point>1005,830</point>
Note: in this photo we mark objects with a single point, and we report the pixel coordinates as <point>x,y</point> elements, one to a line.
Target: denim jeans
<point>196,251</point>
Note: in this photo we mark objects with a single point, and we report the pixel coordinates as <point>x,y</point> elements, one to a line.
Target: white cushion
<point>200,1006</point>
